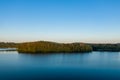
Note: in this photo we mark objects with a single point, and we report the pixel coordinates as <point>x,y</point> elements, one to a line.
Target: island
<point>53,47</point>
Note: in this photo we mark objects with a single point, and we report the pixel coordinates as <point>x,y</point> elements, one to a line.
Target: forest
<point>105,47</point>
<point>53,47</point>
<point>8,45</point>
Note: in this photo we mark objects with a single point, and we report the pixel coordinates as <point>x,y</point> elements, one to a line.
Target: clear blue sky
<point>60,20</point>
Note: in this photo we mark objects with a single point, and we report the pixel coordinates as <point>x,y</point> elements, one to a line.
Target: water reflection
<point>94,59</point>
<point>96,65</point>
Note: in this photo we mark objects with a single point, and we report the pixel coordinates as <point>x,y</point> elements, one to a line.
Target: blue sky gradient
<point>60,20</point>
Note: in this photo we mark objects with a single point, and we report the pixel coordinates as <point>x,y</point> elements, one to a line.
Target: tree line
<point>8,45</point>
<point>52,47</point>
<point>105,47</point>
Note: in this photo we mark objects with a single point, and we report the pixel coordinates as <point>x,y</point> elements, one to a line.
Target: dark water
<point>87,66</point>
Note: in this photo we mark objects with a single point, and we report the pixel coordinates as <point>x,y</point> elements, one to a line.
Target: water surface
<point>59,66</point>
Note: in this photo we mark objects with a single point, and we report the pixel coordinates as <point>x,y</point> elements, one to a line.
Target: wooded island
<point>52,47</point>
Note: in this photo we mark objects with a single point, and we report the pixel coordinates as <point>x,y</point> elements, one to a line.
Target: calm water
<point>87,66</point>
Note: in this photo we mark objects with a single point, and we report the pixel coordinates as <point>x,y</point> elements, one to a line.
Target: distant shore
<point>53,47</point>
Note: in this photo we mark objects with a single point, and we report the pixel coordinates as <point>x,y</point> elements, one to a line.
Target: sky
<point>90,21</point>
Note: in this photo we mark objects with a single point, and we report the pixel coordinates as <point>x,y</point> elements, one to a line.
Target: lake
<point>60,66</point>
